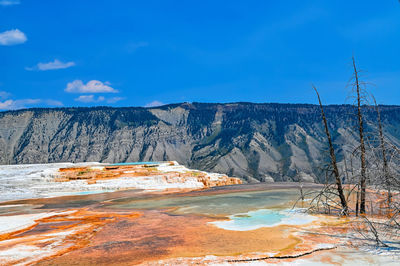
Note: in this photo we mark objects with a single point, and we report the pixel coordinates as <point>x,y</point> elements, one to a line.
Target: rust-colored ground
<point>158,236</point>
<point>56,235</point>
<point>93,174</point>
<point>103,236</point>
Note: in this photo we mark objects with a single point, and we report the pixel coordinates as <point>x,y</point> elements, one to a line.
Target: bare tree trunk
<point>358,188</point>
<point>358,200</point>
<point>362,144</point>
<point>384,158</point>
<point>345,169</point>
<point>333,159</point>
<point>300,185</point>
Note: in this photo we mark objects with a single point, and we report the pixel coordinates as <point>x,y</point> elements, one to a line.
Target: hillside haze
<point>256,142</point>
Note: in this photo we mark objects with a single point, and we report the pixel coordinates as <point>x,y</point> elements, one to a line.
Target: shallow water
<point>246,210</point>
<point>264,218</point>
<point>213,204</point>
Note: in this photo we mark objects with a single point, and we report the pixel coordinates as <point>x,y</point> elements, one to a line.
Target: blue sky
<point>138,53</point>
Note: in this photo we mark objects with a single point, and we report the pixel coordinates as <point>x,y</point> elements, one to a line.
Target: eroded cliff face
<point>256,142</point>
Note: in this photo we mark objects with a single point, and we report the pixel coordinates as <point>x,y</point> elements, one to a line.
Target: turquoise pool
<point>264,218</point>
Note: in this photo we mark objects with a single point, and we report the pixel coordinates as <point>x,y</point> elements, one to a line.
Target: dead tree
<point>384,158</point>
<point>339,186</point>
<point>363,177</point>
<point>300,185</point>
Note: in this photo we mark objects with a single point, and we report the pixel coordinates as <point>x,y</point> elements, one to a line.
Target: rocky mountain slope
<point>256,142</point>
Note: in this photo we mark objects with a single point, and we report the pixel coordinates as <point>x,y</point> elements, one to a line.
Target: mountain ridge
<point>253,141</point>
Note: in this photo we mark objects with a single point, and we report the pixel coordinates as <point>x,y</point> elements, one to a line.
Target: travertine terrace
<point>60,179</point>
<point>169,173</point>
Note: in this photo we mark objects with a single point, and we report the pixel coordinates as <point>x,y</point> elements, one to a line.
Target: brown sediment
<point>157,236</point>
<point>111,236</point>
<point>295,242</point>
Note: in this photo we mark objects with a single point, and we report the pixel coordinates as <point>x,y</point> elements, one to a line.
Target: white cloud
<point>17,104</point>
<point>12,37</point>
<point>93,86</point>
<point>56,64</point>
<point>154,104</point>
<point>89,99</point>
<point>9,2</point>
<point>24,103</point>
<point>6,104</point>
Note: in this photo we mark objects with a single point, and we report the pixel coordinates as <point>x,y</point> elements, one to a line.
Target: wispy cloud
<point>50,102</point>
<point>25,103</point>
<point>9,2</point>
<point>89,99</point>
<point>93,99</point>
<point>12,37</point>
<point>115,99</point>
<point>10,104</point>
<point>154,104</point>
<point>4,95</point>
<point>93,86</point>
<point>17,104</point>
<point>56,64</point>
